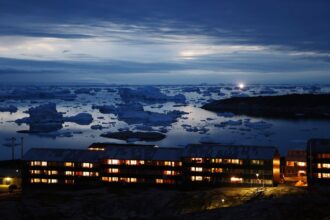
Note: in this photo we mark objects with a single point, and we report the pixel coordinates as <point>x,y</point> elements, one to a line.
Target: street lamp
<point>257,175</point>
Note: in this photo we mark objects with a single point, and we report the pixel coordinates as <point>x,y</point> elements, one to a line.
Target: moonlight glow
<point>241,86</point>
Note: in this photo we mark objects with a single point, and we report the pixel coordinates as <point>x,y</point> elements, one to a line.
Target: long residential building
<point>318,161</point>
<point>196,164</point>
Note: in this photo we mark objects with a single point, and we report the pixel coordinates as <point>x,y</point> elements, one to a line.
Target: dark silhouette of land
<point>293,106</point>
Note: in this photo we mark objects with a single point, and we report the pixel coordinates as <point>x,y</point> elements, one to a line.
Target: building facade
<point>198,164</point>
<point>318,161</point>
<point>295,169</point>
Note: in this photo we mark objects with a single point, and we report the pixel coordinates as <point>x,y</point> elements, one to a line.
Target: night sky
<point>164,42</point>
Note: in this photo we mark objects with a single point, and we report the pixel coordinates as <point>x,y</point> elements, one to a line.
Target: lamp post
<point>257,175</point>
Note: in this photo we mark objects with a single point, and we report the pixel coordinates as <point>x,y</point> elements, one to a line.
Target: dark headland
<point>283,106</point>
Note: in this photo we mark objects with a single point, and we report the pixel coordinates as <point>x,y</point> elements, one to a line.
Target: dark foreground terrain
<point>282,202</point>
<point>284,106</point>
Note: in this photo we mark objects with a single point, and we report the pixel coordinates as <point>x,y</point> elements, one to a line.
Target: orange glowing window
<point>87,165</point>
<point>159,181</point>
<point>197,160</point>
<point>216,170</point>
<point>169,172</point>
<point>301,164</point>
<point>69,173</point>
<point>69,164</point>
<point>196,169</point>
<point>113,162</point>
<point>236,180</point>
<point>113,170</point>
<point>290,163</point>
<point>131,162</point>
<point>196,178</point>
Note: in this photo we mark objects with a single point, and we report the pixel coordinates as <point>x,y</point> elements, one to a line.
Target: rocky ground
<point>282,202</point>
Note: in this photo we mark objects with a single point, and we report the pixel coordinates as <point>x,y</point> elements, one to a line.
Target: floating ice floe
<point>10,108</point>
<point>81,119</point>
<point>97,127</point>
<point>133,113</point>
<point>148,94</point>
<point>190,128</point>
<point>45,118</point>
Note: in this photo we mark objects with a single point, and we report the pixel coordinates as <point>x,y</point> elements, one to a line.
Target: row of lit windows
<point>142,162</point>
<point>257,162</point>
<point>38,163</point>
<point>126,162</point>
<point>323,165</point>
<point>66,164</point>
<point>220,160</point>
<point>97,148</point>
<point>49,181</point>
<point>45,172</point>
<point>164,181</point>
<point>81,173</point>
<point>119,179</point>
<point>323,175</point>
<point>67,173</point>
<point>295,163</point>
<point>170,172</point>
<point>196,169</point>
<point>323,156</point>
<point>113,170</point>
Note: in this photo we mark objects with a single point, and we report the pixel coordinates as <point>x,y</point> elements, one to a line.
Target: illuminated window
<point>35,163</point>
<point>216,170</point>
<point>69,181</point>
<point>323,156</point>
<point>69,173</point>
<point>105,178</point>
<point>35,180</point>
<point>86,174</point>
<point>52,181</point>
<point>114,179</point>
<point>44,180</point>
<point>323,175</point>
<point>257,162</point>
<point>87,165</point>
<point>169,163</point>
<point>233,161</point>
<point>141,162</point>
<point>69,164</point>
<point>159,181</point>
<point>169,172</point>
<point>113,162</point>
<point>197,160</point>
<point>323,165</point>
<point>97,148</point>
<point>38,163</point>
<point>196,169</point>
<point>290,163</point>
<point>113,170</point>
<point>128,180</point>
<point>301,164</point>
<point>197,178</point>
<point>35,171</point>
<point>131,162</point>
<point>236,180</point>
<point>51,172</point>
<point>216,160</point>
